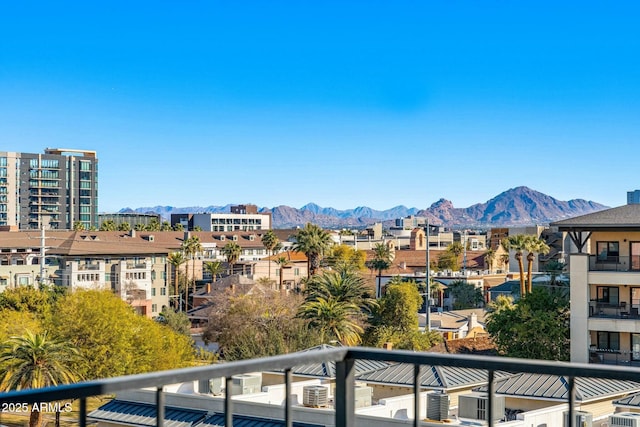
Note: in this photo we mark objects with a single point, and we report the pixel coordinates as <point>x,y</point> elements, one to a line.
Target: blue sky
<point>345,104</point>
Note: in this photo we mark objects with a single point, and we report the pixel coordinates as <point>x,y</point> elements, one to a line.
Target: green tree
<point>178,322</point>
<point>447,261</point>
<point>517,243</point>
<point>15,323</point>
<point>178,227</point>
<point>346,258</point>
<point>489,257</point>
<point>125,226</point>
<point>334,320</point>
<point>342,286</point>
<point>165,226</point>
<point>534,245</point>
<point>112,339</point>
<point>36,361</point>
<point>108,225</point>
<point>78,226</point>
<point>396,319</point>
<point>537,327</point>
<point>197,228</point>
<point>215,268</point>
<point>270,241</point>
<point>153,225</point>
<point>314,242</point>
<point>465,295</point>
<point>176,259</point>
<point>232,252</point>
<point>382,259</point>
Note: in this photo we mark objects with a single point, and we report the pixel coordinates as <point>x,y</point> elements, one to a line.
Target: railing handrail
<point>161,378</point>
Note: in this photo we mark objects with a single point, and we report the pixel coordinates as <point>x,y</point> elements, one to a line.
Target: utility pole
<point>427,305</point>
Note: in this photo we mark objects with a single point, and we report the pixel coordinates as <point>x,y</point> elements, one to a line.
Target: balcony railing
<point>614,357</point>
<point>614,263</point>
<point>345,379</point>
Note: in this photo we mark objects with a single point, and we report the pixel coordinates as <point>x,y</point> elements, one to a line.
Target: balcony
<point>614,263</point>
<point>136,265</point>
<point>614,357</point>
<point>84,267</point>
<point>344,402</point>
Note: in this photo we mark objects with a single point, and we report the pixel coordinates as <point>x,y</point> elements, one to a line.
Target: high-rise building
<point>57,189</point>
<point>633,197</point>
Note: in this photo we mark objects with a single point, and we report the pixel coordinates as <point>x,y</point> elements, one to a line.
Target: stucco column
<point>579,275</point>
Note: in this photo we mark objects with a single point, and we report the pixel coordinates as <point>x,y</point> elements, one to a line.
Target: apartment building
<point>604,266</point>
<point>55,189</point>
<point>240,218</point>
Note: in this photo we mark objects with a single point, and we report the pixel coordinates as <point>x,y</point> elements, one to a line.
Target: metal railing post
<point>228,405</point>
<point>345,394</point>
<point>288,419</point>
<point>416,395</point>
<point>490,392</point>
<point>82,416</point>
<point>159,407</point>
<point>572,401</point>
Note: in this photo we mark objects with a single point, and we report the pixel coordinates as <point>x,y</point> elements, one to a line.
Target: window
<point>153,292</point>
<point>635,346</point>
<point>608,251</point>
<point>609,341</point>
<point>608,294</point>
<point>154,308</point>
<point>296,271</point>
<point>163,291</point>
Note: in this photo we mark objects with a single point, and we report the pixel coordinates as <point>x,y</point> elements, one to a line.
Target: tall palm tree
<point>282,262</point>
<point>270,241</point>
<point>382,259</point>
<point>313,241</point>
<point>456,249</point>
<point>232,251</point>
<point>191,246</point>
<point>489,257</point>
<point>333,319</point>
<point>214,268</point>
<point>535,245</point>
<point>35,361</point>
<point>176,259</point>
<point>517,243</point>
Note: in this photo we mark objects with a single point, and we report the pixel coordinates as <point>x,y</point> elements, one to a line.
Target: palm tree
<point>382,259</point>
<point>108,225</point>
<point>232,251</point>
<point>489,257</point>
<point>270,241</point>
<point>35,361</point>
<point>176,259</point>
<point>313,241</point>
<point>456,249</point>
<point>535,245</point>
<point>333,319</point>
<point>191,246</point>
<point>517,243</point>
<point>214,268</point>
<point>346,286</point>
<point>125,226</point>
<point>282,262</point>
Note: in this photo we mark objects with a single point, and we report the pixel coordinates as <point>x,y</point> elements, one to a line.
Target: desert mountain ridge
<point>517,206</point>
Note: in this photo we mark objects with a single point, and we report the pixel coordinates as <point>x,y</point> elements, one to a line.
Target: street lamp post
<point>427,305</point>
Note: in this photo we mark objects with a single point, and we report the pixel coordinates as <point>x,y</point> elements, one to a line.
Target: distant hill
<point>515,207</point>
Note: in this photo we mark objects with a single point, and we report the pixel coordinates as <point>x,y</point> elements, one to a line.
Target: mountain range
<point>518,206</point>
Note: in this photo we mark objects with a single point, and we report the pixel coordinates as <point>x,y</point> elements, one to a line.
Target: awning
<point>144,414</point>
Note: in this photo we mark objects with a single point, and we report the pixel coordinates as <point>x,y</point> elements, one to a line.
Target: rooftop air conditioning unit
<point>625,419</point>
<point>246,384</point>
<point>437,406</point>
<point>211,386</point>
<point>583,419</point>
<point>315,396</point>
<point>475,406</point>
<point>363,395</point>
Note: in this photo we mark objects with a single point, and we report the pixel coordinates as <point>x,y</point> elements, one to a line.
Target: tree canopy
<point>537,327</point>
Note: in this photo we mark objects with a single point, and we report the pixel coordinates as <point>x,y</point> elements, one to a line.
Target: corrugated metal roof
<point>629,401</point>
<point>328,369</point>
<point>144,414</point>
<point>433,377</point>
<point>556,387</point>
<point>217,420</point>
